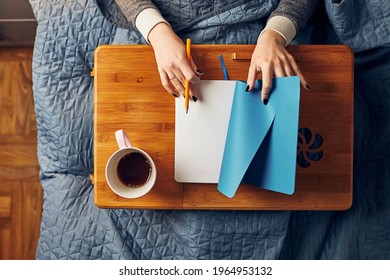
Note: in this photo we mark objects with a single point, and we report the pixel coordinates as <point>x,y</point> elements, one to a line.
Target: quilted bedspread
<point>74,228</point>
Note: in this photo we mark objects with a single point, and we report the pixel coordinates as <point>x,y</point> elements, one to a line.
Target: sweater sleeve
<point>132,8</point>
<point>296,11</point>
<point>290,17</point>
<point>287,19</point>
<point>143,15</point>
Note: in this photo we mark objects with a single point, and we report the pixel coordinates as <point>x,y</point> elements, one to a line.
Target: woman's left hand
<point>272,59</point>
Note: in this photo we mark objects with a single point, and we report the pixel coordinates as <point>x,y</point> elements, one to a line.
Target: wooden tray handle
<point>242,56</point>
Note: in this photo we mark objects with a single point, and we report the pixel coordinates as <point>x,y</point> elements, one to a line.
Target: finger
<point>198,72</point>
<point>193,88</point>
<point>177,83</point>
<point>193,93</point>
<point>182,79</point>
<point>166,83</point>
<point>189,73</point>
<point>279,70</point>
<point>252,76</point>
<point>267,83</point>
<point>298,72</point>
<point>288,70</point>
<point>179,75</point>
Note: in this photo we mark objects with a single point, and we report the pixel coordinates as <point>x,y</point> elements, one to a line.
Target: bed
<point>74,228</point>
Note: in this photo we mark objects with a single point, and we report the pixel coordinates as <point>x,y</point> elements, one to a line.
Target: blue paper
<point>261,142</point>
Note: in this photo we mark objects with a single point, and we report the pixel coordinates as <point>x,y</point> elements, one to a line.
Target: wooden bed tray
<point>129,95</point>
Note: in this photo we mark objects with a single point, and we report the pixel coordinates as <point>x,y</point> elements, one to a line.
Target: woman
<point>269,57</point>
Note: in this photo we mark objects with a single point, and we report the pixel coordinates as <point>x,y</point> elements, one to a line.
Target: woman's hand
<point>172,62</point>
<point>271,58</point>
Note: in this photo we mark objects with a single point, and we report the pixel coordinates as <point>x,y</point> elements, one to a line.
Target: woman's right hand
<point>172,62</point>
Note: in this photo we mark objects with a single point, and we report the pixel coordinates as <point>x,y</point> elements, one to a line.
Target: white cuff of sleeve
<point>146,20</point>
<point>282,25</point>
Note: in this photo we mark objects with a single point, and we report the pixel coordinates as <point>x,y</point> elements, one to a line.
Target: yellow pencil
<point>187,83</point>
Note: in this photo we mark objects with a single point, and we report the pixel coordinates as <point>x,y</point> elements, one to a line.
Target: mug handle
<point>122,139</point>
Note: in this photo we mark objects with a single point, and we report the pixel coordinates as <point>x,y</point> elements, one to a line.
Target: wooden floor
<point>20,190</point>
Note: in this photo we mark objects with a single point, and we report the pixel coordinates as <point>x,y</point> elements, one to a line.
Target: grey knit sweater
<point>298,11</point>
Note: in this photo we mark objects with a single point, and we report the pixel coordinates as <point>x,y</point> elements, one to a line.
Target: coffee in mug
<point>130,171</point>
<point>134,170</point>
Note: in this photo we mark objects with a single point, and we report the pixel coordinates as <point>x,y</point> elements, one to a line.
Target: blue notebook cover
<point>261,142</point>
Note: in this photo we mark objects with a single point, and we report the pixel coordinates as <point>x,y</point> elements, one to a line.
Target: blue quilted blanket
<point>74,228</point>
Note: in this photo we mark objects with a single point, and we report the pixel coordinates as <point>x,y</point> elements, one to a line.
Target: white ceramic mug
<point>120,171</point>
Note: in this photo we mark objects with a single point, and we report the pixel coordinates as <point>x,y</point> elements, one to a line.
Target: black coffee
<point>134,170</point>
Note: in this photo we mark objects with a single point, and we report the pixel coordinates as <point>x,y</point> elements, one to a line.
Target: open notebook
<point>230,137</point>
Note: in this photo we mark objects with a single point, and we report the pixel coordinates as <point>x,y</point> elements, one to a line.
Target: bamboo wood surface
<point>129,95</point>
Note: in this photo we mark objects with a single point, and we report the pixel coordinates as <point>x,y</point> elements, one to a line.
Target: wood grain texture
<point>129,95</point>
<point>20,189</point>
<point>5,206</point>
